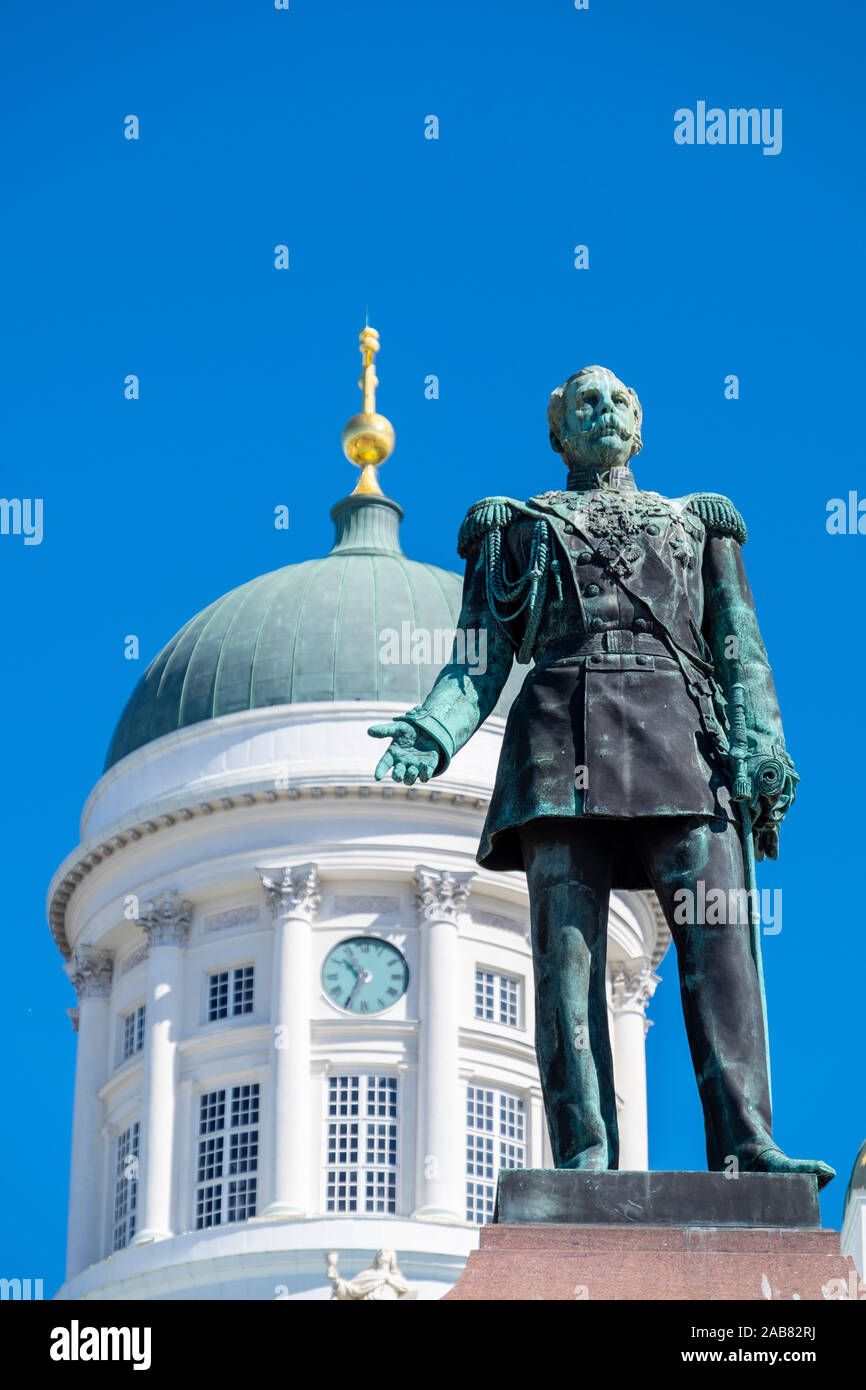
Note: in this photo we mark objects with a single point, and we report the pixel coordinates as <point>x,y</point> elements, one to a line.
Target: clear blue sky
<point>306,127</point>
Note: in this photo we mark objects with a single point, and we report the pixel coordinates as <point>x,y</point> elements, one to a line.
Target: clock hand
<point>359,982</point>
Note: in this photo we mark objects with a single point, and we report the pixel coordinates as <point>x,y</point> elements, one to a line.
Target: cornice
<point>353,1028</point>
<point>478,1039</point>
<point>663,931</point>
<point>250,721</point>
<point>242,1037</point>
<point>174,811</point>
<point>127,1076</point>
<point>178,809</point>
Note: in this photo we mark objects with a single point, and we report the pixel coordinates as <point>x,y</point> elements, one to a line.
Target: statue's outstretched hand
<point>412,756</point>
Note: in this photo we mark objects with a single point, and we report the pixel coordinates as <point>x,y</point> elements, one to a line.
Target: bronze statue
<point>645,749</point>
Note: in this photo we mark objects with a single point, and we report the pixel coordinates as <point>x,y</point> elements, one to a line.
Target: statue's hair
<point>556,408</point>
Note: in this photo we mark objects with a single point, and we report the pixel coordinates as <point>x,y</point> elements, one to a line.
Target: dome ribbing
<point>306,632</point>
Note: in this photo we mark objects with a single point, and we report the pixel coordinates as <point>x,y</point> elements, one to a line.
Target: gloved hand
<point>413,755</point>
<point>775,786</point>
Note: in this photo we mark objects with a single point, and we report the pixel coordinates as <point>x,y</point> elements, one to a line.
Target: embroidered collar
<point>583,479</point>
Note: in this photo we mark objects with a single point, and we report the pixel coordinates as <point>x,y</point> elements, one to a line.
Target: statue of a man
<point>617,769</point>
<point>381,1282</point>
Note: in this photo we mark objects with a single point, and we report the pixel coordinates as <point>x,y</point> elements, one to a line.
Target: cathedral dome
<point>308,632</point>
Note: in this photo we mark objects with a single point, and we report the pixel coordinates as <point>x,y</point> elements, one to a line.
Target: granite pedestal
<point>562,1235</point>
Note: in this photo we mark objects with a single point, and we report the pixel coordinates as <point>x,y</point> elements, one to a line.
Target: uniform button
<point>597,625</point>
<point>652,530</point>
<point>643,660</point>
<point>592,591</point>
<point>568,528</point>
<point>640,624</point>
<point>594,660</point>
<point>583,557</point>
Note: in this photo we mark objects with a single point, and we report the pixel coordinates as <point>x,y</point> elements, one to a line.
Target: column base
<point>282,1211</point>
<point>441,1214</point>
<point>150,1237</point>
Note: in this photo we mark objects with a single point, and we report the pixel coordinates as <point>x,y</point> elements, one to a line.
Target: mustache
<point>606,425</point>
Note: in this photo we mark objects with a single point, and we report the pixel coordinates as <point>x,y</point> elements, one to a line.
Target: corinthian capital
<point>632,984</point>
<point>166,920</point>
<point>292,892</point>
<point>440,896</point>
<point>90,973</point>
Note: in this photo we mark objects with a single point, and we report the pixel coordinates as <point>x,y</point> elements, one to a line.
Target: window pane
<point>495,1138</point>
<point>125,1187</point>
<point>218,996</point>
<point>228,1146</point>
<point>497,998</point>
<point>362,1143</point>
<point>242,990</point>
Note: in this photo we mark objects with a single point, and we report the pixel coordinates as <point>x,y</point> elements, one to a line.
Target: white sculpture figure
<point>382,1281</point>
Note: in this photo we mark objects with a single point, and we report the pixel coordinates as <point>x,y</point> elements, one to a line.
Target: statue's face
<point>599,423</point>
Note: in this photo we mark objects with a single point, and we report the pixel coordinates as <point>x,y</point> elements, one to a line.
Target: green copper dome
<point>306,632</point>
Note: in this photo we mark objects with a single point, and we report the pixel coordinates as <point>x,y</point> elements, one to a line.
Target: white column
<point>90,973</point>
<point>185,1151</point>
<point>440,898</point>
<point>166,923</point>
<point>632,985</point>
<point>293,895</point>
<point>535,1136</point>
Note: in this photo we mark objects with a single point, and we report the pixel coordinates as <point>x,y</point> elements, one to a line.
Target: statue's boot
<point>593,1160</point>
<point>774,1161</point>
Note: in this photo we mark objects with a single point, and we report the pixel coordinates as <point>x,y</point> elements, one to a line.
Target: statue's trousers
<point>687,859</point>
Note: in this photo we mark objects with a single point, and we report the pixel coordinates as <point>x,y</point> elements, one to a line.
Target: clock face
<point>365,975</point>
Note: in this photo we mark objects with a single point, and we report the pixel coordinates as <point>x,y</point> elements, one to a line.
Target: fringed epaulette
<point>719,515</point>
<point>484,516</point>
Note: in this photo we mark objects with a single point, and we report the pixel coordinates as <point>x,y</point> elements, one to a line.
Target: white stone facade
<point>261,840</point>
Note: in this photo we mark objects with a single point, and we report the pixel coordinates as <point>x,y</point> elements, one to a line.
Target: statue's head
<point>595,420</point>
<point>385,1259</point>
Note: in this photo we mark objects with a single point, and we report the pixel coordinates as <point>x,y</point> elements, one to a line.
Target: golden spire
<point>368,438</point>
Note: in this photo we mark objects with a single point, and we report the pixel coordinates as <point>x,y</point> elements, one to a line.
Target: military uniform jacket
<point>635,610</point>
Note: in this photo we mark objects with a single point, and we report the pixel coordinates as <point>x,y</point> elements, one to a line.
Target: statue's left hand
<point>768,811</point>
<point>766,842</point>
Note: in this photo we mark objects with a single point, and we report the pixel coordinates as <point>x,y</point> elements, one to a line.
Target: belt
<point>619,641</point>
<point>622,649</point>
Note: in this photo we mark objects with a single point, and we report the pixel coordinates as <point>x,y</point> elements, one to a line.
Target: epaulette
<point>718,514</point>
<point>482,517</point>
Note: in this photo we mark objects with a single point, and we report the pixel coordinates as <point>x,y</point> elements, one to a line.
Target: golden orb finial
<point>368,438</point>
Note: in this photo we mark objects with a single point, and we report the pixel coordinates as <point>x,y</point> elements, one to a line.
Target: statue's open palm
<point>413,756</point>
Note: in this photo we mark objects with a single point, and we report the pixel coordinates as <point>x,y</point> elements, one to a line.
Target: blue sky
<point>306,127</point>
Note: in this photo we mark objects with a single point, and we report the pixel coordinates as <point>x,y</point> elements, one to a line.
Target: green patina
<point>307,632</point>
<point>644,750</point>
